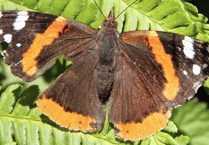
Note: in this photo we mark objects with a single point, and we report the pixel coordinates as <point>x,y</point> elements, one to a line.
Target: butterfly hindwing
<point>72,101</point>
<point>134,119</point>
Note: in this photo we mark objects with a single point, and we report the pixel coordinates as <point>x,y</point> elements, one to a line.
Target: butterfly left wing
<point>36,40</point>
<point>155,71</point>
<point>72,100</point>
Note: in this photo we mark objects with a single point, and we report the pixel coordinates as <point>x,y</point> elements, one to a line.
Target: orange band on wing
<point>71,120</point>
<point>149,126</point>
<point>52,32</point>
<point>172,86</point>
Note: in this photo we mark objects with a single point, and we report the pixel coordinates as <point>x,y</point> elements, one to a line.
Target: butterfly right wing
<point>155,72</point>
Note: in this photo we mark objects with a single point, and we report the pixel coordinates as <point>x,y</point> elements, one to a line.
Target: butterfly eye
<point>104,22</point>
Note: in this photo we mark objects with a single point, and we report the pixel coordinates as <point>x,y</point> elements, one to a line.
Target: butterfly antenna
<point>99,9</point>
<point>126,9</point>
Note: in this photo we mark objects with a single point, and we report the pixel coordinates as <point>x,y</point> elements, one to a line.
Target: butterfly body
<point>107,45</point>
<point>141,75</point>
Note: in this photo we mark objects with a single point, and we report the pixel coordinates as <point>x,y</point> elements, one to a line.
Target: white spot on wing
<point>188,47</point>
<point>196,69</point>
<point>1,15</point>
<point>185,72</point>
<point>20,20</point>
<point>1,32</point>
<point>204,65</point>
<point>18,44</point>
<point>7,38</point>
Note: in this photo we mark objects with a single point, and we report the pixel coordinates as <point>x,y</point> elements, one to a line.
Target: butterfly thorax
<point>107,43</point>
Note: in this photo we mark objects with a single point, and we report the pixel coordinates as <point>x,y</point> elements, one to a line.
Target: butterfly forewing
<point>184,60</point>
<point>37,39</point>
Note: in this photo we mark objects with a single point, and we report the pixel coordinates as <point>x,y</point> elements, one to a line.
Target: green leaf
<point>171,127</point>
<point>20,119</point>
<point>7,99</point>
<point>164,138</point>
<point>192,119</point>
<point>10,143</point>
<point>182,140</point>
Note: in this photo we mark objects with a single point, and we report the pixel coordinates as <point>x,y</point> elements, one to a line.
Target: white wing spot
<point>188,47</point>
<point>185,72</point>
<point>1,14</point>
<point>205,65</point>
<point>7,38</point>
<point>18,44</point>
<point>196,69</point>
<point>1,32</point>
<point>20,20</point>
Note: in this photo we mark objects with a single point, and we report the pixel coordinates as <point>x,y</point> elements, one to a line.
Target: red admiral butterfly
<point>141,75</point>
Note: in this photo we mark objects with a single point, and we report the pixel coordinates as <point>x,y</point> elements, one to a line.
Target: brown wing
<point>48,37</point>
<point>72,101</point>
<point>151,79</point>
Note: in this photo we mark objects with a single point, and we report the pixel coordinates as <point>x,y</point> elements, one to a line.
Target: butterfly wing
<point>184,61</point>
<point>47,38</point>
<point>154,73</point>
<point>72,101</point>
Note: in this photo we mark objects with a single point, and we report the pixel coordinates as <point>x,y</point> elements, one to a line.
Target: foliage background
<point>22,123</point>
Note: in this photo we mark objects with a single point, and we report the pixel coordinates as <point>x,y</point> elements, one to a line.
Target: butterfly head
<point>110,21</point>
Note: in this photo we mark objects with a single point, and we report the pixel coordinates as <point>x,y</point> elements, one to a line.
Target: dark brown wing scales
<point>45,33</point>
<point>72,101</point>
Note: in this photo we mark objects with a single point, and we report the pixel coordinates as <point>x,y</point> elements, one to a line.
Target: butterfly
<point>141,75</point>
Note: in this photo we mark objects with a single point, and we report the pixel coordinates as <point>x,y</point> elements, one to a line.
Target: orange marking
<point>70,120</point>
<point>172,86</point>
<point>149,126</point>
<point>52,32</point>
